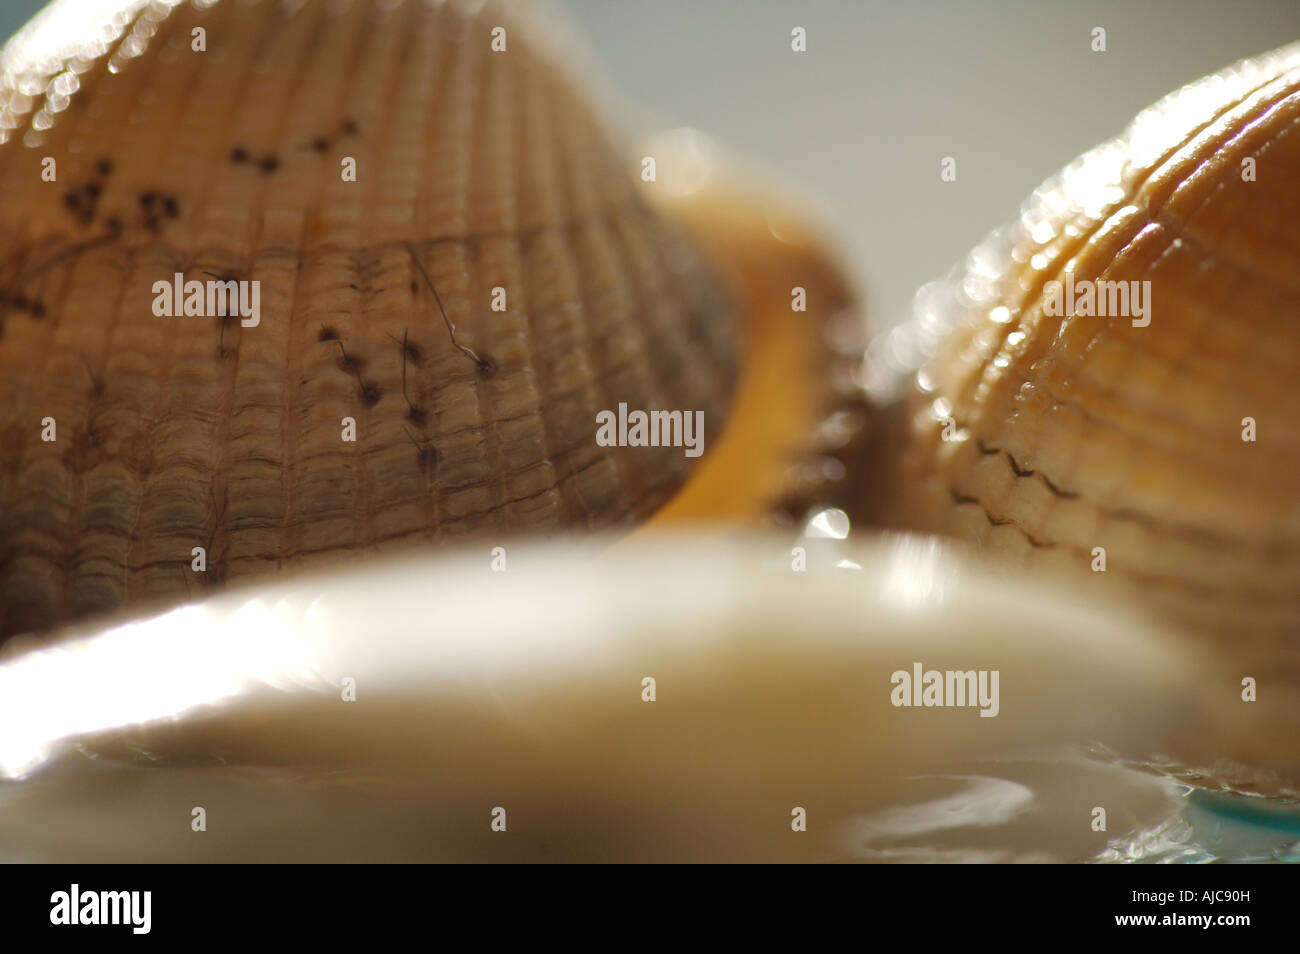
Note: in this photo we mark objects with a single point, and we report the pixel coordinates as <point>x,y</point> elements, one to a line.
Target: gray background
<point>1011,89</point>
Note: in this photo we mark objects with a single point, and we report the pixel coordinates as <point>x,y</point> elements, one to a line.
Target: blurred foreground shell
<point>1170,440</point>
<point>482,167</point>
<point>108,742</point>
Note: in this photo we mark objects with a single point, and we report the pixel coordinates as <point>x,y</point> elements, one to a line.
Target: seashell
<point>1170,440</point>
<point>490,703</point>
<point>478,171</point>
<point>798,414</point>
<point>1105,444</point>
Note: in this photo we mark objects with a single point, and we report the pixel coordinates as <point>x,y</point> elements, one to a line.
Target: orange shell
<point>1048,438</point>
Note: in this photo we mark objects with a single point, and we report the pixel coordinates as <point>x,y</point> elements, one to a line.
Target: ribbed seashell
<point>476,169</point>
<point>1048,439</point>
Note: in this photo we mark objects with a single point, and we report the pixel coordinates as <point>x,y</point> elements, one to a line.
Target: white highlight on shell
<point>39,58</point>
<point>980,803</point>
<point>688,160</point>
<point>148,670</point>
<point>828,524</point>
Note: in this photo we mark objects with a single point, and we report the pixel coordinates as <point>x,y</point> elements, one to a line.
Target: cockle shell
<point>1063,441</point>
<point>480,168</point>
<point>774,682</point>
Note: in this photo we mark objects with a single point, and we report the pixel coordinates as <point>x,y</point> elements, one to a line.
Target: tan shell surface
<point>1072,433</point>
<point>483,169</point>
